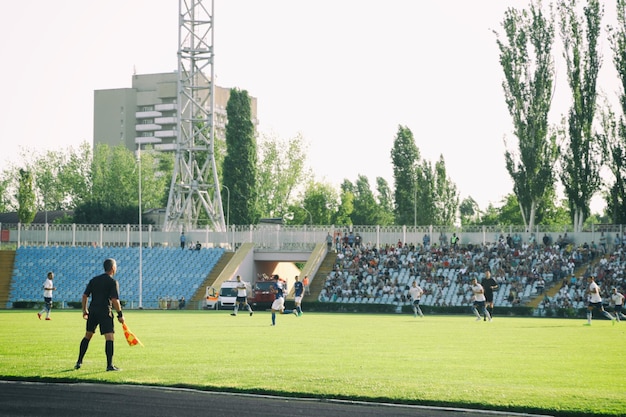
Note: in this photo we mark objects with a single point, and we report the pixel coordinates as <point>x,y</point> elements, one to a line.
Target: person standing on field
<point>242,297</point>
<point>305,282</point>
<point>105,295</point>
<point>489,285</point>
<point>617,299</point>
<point>298,288</point>
<point>416,294</point>
<point>479,300</point>
<point>48,287</point>
<point>595,301</point>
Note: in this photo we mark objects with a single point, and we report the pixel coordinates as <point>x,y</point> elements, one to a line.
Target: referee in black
<point>489,285</point>
<point>105,293</point>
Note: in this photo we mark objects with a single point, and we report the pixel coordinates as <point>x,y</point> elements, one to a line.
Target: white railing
<point>280,237</point>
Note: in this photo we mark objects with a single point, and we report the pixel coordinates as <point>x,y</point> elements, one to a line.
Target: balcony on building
<point>165,120</point>
<point>165,133</point>
<point>165,107</point>
<point>147,140</point>
<point>149,114</point>
<point>147,127</point>
<point>165,146</point>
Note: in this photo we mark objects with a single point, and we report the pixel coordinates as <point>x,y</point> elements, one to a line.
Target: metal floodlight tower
<point>194,196</point>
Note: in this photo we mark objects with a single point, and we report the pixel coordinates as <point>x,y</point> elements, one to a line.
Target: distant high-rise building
<point>146,113</point>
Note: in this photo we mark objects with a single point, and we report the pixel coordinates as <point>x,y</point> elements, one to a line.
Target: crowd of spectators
<point>609,273</point>
<point>522,268</point>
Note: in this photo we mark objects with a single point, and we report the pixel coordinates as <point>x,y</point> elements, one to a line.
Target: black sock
<point>108,348</point>
<point>84,344</point>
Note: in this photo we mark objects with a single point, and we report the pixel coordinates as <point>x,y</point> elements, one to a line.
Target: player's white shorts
<point>278,304</point>
<point>298,299</point>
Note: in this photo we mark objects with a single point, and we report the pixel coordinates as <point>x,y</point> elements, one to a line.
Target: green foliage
<point>343,216</point>
<point>581,153</point>
<point>281,169</point>
<point>385,202</point>
<point>613,138</point>
<point>446,198</point>
<point>114,193</point>
<point>366,210</point>
<point>405,157</point>
<point>26,198</point>
<point>528,65</point>
<point>320,199</point>
<point>469,211</point>
<point>6,203</point>
<point>240,164</point>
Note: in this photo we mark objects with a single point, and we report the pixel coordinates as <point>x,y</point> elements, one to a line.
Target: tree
<point>446,195</point>
<point>61,177</point>
<point>113,196</point>
<point>281,169</point>
<point>469,211</point>
<point>425,209</point>
<point>346,207</point>
<point>614,138</point>
<point>613,151</point>
<point>26,198</point>
<point>526,59</point>
<point>405,157</point>
<point>365,205</point>
<point>385,202</point>
<point>580,155</point>
<point>240,163</point>
<point>321,200</point>
<point>6,185</point>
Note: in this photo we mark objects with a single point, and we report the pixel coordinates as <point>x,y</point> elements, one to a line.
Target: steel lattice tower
<point>194,195</point>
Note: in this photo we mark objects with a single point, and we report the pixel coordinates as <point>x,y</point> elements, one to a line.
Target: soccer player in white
<point>617,299</point>
<point>242,297</point>
<point>479,300</point>
<point>416,294</point>
<point>48,287</point>
<point>595,301</point>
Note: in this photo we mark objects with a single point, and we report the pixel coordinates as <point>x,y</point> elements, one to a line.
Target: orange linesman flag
<point>130,337</point>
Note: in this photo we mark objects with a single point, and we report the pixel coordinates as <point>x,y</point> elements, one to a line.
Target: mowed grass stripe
<point>557,366</point>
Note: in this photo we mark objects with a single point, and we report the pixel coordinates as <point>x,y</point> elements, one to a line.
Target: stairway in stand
<point>199,295</point>
<point>553,288</point>
<point>7,260</point>
<point>320,277</point>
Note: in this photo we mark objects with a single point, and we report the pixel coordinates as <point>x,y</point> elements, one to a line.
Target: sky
<point>344,74</point>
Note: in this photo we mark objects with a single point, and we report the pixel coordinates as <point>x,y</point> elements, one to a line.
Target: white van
<point>228,295</point>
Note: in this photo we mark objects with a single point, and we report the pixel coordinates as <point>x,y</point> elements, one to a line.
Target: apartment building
<point>146,112</point>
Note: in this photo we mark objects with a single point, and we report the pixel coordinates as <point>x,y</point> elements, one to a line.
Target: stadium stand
<point>167,273</point>
<point>366,274</point>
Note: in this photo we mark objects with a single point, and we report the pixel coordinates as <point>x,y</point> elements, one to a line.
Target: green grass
<point>552,366</point>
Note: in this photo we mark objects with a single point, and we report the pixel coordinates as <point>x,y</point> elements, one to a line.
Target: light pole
<point>310,217</point>
<point>415,206</point>
<point>140,232</point>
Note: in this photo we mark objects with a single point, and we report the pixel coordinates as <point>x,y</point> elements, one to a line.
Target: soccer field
<point>550,366</point>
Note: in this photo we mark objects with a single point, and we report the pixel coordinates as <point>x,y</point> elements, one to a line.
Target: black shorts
<point>103,319</point>
<point>489,298</point>
<point>48,301</point>
<point>595,305</point>
<point>242,299</point>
